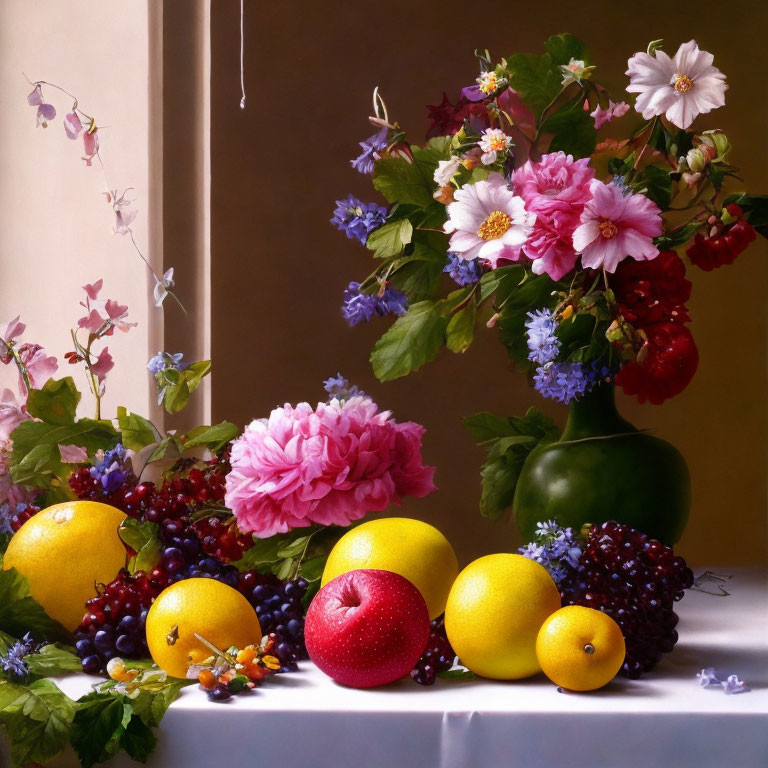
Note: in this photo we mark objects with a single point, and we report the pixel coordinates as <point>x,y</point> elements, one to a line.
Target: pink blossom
<point>555,189</point>
<point>15,329</point>
<point>73,454</point>
<point>123,217</point>
<point>488,221</point>
<point>12,413</point>
<point>614,110</point>
<point>103,365</point>
<point>91,145</point>
<point>102,315</point>
<point>40,366</point>
<point>92,290</point>
<point>45,112</point>
<point>330,465</point>
<point>615,226</point>
<point>72,125</point>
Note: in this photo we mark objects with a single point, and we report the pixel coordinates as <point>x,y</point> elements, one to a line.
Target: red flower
<point>725,245</point>
<point>655,291</point>
<point>447,118</point>
<point>670,361</point>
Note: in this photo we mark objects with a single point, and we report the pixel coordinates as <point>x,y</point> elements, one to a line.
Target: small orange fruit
<point>579,648</point>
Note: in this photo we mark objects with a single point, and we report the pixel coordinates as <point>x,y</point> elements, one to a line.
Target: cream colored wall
<point>55,226</point>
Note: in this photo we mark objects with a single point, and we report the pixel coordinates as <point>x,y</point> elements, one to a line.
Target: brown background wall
<point>279,268</point>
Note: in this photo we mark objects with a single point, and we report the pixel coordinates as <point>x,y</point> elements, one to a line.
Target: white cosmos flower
<point>445,171</point>
<point>680,88</point>
<point>488,221</point>
<point>493,141</point>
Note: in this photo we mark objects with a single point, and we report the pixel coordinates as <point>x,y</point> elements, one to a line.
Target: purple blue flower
<point>357,219</point>
<point>562,382</point>
<point>338,386</point>
<point>164,360</point>
<point>359,307</point>
<point>13,660</point>
<point>110,469</point>
<point>372,146</point>
<point>463,271</point>
<point>556,548</point>
<point>733,685</point>
<point>542,342</point>
<point>707,677</point>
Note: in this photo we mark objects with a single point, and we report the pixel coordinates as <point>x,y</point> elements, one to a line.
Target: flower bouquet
<point>568,244</point>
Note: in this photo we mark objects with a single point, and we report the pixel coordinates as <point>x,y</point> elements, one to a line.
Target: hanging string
<point>242,50</point>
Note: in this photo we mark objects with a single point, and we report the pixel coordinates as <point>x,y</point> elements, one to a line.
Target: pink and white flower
<point>488,221</point>
<point>615,226</point>
<point>445,171</point>
<point>680,88</point>
<point>556,190</point>
<point>39,364</point>
<point>328,465</point>
<point>493,141</point>
<point>102,365</point>
<point>614,110</point>
<point>102,315</point>
<point>45,112</point>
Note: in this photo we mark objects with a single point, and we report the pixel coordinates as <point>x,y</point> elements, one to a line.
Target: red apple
<point>367,628</point>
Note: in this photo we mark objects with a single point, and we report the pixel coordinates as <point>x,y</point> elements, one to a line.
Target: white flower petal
<point>584,235</point>
<point>691,61</point>
<point>682,112</point>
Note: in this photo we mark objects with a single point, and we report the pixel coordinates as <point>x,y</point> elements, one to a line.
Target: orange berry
<point>247,655</point>
<point>207,679</point>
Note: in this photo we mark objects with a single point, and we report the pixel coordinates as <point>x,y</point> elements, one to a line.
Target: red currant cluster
<point>85,486</point>
<point>723,243</point>
<point>636,581</point>
<point>437,657</point>
<point>22,515</point>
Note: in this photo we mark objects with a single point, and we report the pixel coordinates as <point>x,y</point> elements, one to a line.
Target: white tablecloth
<point>665,719</point>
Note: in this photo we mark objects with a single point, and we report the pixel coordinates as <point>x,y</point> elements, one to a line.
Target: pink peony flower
<point>615,226</point>
<point>680,88</point>
<point>614,110</point>
<point>330,465</point>
<point>488,221</point>
<point>556,189</point>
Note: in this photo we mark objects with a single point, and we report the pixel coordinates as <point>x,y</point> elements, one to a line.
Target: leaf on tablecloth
<point>52,660</point>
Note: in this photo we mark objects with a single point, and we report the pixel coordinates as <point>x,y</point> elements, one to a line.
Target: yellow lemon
<point>415,550</point>
<point>204,607</point>
<point>494,612</point>
<point>580,648</point>
<point>63,550</point>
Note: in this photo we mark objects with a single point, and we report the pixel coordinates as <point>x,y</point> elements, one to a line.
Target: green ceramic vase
<point>603,468</point>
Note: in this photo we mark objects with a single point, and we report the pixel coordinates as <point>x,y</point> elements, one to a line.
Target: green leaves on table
<point>508,442</point>
<point>37,718</point>
<point>53,660</point>
<point>21,613</point>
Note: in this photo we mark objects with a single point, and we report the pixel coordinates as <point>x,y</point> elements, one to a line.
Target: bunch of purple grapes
<point>438,656</point>
<point>636,581</point>
<point>280,608</point>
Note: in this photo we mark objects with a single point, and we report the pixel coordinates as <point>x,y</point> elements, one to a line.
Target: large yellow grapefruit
<point>495,610</point>
<point>205,607</point>
<point>415,550</point>
<point>63,550</point>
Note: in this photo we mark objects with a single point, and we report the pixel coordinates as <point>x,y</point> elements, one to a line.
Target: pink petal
<point>15,329</point>
<point>93,289</point>
<point>73,454</point>
<point>103,365</point>
<point>72,125</point>
<point>586,234</point>
<point>93,321</point>
<point>35,99</point>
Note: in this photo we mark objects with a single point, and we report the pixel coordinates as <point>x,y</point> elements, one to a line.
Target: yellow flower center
<point>497,144</point>
<point>489,82</point>
<point>683,83</point>
<point>608,229</point>
<point>494,226</point>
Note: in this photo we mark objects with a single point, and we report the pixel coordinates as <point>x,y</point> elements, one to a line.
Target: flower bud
<point>444,194</point>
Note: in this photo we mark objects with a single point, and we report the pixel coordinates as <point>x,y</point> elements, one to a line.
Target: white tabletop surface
<point>663,719</point>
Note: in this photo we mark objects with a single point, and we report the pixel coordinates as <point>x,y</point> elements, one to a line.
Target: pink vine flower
<point>45,111</point>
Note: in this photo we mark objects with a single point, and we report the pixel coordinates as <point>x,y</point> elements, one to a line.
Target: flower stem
<point>23,372</point>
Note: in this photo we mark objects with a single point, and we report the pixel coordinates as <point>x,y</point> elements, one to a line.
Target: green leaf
<point>755,207</point>
<point>402,182</point>
<point>502,280</point>
<point>144,540</point>
<point>427,158</point>
<point>418,274</point>
<point>412,340</point>
<point>508,442</point>
<point>56,403</point>
<point>37,718</point>
<point>564,47</point>
<point>573,129</point>
<point>459,675</point>
<point>21,613</point>
<point>390,239</point>
<point>151,706</point>
<point>138,740</point>
<point>215,437</point>
<point>656,184</point>
<point>461,328</point>
<point>136,432</point>
<point>53,660</point>
<point>535,77</point>
<point>177,395</point>
<point>677,237</point>
<point>312,568</point>
<point>36,458</point>
<point>160,451</point>
<point>99,726</point>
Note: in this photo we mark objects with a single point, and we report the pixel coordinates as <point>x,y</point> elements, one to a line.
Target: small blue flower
<point>339,387</point>
<point>359,307</point>
<point>463,271</point>
<point>707,677</point>
<point>372,146</point>
<point>563,382</point>
<point>550,527</point>
<point>556,548</point>
<point>357,219</point>
<point>109,468</point>
<point>6,513</point>
<point>13,660</point>
<point>734,685</point>
<point>542,342</point>
<point>164,360</point>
